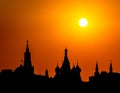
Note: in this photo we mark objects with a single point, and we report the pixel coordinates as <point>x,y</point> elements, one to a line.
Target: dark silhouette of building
<point>105,81</point>
<point>96,70</point>
<point>65,72</point>
<point>25,70</point>
<point>111,69</point>
<point>66,79</point>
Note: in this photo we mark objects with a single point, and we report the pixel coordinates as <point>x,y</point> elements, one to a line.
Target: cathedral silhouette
<point>66,79</point>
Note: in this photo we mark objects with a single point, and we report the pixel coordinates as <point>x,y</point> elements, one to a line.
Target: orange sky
<point>52,25</point>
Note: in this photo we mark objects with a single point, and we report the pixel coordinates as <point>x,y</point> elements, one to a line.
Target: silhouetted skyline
<point>65,71</point>
<point>67,76</point>
<point>51,25</point>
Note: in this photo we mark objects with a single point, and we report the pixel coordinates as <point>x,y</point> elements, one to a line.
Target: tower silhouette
<point>96,70</point>
<point>100,82</point>
<point>111,69</point>
<point>26,69</point>
<point>46,73</point>
<point>27,61</point>
<point>65,72</point>
<point>57,71</point>
<point>65,69</point>
<point>78,70</point>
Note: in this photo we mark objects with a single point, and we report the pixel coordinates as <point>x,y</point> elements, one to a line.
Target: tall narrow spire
<point>78,68</point>
<point>27,61</point>
<point>96,69</point>
<point>46,73</point>
<point>66,52</point>
<point>27,57</point>
<point>27,47</point>
<point>111,66</point>
<point>66,65</point>
<point>66,60</point>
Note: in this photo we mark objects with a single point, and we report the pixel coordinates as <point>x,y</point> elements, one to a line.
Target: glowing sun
<point>83,22</point>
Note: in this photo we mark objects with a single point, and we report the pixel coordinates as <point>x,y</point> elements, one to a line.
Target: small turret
<point>57,69</point>
<point>96,70</point>
<point>111,69</point>
<point>78,68</point>
<point>46,73</point>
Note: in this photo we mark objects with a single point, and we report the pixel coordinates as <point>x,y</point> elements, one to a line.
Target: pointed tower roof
<point>111,66</point>
<point>96,68</point>
<point>46,73</point>
<point>66,60</point>
<point>66,51</point>
<point>77,67</point>
<point>57,68</point>
<point>66,56</point>
<point>66,64</point>
<point>27,47</point>
<point>27,57</point>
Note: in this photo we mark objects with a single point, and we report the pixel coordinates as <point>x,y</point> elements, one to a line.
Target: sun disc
<point>83,22</point>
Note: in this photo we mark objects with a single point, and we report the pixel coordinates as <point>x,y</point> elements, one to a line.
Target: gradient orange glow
<point>52,25</point>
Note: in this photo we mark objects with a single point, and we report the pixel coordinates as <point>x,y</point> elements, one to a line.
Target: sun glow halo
<point>83,22</point>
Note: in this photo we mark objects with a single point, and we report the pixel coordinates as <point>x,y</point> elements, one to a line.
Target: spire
<point>27,47</point>
<point>77,65</point>
<point>57,69</point>
<point>27,57</point>
<point>111,66</point>
<point>96,69</point>
<point>66,60</point>
<point>66,56</point>
<point>65,69</point>
<point>46,73</point>
<point>66,52</point>
<point>78,68</point>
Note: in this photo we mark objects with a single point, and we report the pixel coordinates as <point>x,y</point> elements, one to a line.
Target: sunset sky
<point>52,25</point>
